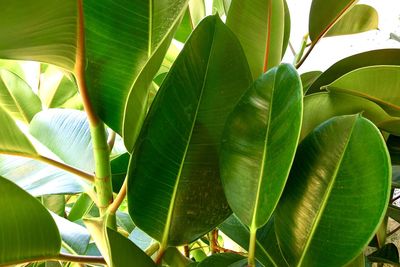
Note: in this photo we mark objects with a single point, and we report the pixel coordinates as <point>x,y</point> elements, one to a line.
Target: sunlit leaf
<point>174,169</point>
<point>334,202</point>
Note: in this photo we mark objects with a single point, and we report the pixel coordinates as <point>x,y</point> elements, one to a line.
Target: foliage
<point>130,149</point>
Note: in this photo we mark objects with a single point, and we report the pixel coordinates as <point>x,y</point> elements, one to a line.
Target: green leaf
<point>173,257</point>
<point>308,78</point>
<point>197,10</point>
<point>360,18</point>
<point>124,252</point>
<point>394,213</point>
<point>140,238</point>
<point>125,44</point>
<point>56,87</point>
<point>267,248</point>
<point>220,259</point>
<point>119,167</point>
<point>257,150</point>
<point>12,139</point>
<point>393,145</point>
<point>322,106</point>
<point>27,229</point>
<point>387,254</point>
<point>17,98</point>
<point>54,203</point>
<point>357,262</point>
<point>286,31</point>
<point>185,28</point>
<point>369,58</point>
<point>174,169</point>
<point>41,31</point>
<point>396,176</point>
<point>319,220</point>
<point>75,235</point>
<point>324,15</point>
<point>376,83</point>
<point>39,179</point>
<point>259,25</point>
<point>66,133</point>
<point>218,7</point>
<point>81,206</point>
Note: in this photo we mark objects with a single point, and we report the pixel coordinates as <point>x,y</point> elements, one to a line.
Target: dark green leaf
<point>259,25</point>
<point>394,213</point>
<point>17,98</point>
<point>387,254</point>
<point>336,195</point>
<point>174,169</point>
<point>27,230</point>
<point>119,167</point>
<point>370,58</point>
<point>174,258</point>
<point>393,144</point>
<point>396,176</point>
<point>360,18</point>
<point>257,150</point>
<point>286,31</point>
<point>220,260</point>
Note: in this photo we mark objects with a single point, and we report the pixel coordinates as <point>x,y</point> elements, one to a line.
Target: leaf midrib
<point>325,197</point>
<point>164,241</point>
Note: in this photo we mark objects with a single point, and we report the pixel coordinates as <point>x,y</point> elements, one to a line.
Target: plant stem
<point>112,209</point>
<point>101,152</point>
<point>301,52</point>
<point>160,255</point>
<point>65,167</point>
<point>252,247</point>
<point>62,257</point>
<point>111,140</point>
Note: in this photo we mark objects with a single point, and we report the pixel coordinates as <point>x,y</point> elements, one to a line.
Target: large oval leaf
<point>259,25</point>
<point>336,195</point>
<point>370,58</point>
<point>325,105</point>
<point>66,133</point>
<point>27,230</point>
<point>378,83</point>
<point>257,150</point>
<point>324,15</point>
<point>360,18</point>
<point>42,31</point>
<point>125,45</point>
<point>17,98</point>
<point>174,170</point>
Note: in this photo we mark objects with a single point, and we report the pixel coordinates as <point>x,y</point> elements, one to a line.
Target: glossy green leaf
<point>119,168</point>
<point>334,202</point>
<point>17,98</point>
<point>324,15</point>
<point>286,31</point>
<point>185,28</point>
<point>360,18</point>
<point>54,203</point>
<point>140,238</point>
<point>56,87</point>
<point>323,106</point>
<point>39,179</point>
<point>12,139</point>
<point>81,207</point>
<point>197,10</point>
<point>259,25</point>
<point>44,31</point>
<point>174,169</point>
<point>357,262</point>
<point>27,229</point>
<point>257,150</point>
<point>387,254</point>
<point>376,83</point>
<point>218,7</point>
<point>74,235</point>
<point>173,257</point>
<point>369,58</point>
<point>125,253</point>
<point>221,259</point>
<point>267,249</point>
<point>125,45</point>
<point>393,145</point>
<point>66,133</point>
<point>308,78</point>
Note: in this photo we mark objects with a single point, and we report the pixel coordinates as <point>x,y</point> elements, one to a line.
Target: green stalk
<point>102,179</point>
<point>252,247</point>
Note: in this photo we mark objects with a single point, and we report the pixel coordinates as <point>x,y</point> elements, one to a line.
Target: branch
<point>62,257</point>
<point>120,197</point>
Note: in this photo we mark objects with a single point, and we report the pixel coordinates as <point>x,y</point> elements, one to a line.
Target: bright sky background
<point>329,50</point>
